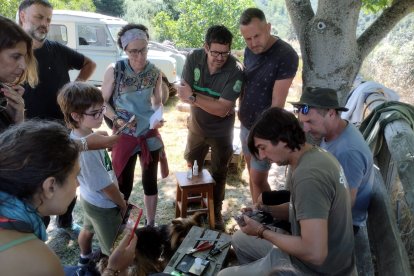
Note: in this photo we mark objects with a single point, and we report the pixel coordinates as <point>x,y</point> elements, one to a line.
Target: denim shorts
<point>258,165</point>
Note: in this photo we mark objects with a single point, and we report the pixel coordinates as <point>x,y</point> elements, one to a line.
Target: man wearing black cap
<point>318,110</point>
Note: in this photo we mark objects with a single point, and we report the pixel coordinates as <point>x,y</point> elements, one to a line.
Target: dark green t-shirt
<point>226,83</point>
<point>319,191</point>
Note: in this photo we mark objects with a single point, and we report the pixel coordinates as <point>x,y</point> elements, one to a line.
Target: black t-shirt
<point>5,121</point>
<point>54,62</point>
<point>261,71</point>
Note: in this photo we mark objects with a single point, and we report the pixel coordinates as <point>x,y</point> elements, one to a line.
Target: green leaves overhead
<point>195,18</point>
<point>374,6</point>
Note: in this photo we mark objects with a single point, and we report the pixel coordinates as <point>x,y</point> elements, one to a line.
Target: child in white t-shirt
<point>83,107</point>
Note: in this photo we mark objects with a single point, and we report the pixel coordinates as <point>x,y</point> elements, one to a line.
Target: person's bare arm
<point>107,90</point>
<point>15,105</point>
<point>123,256</point>
<point>101,140</point>
<point>115,196</point>
<point>87,69</point>
<point>279,211</point>
<point>157,94</point>
<point>31,254</point>
<point>280,92</point>
<point>311,246</point>
<point>220,107</point>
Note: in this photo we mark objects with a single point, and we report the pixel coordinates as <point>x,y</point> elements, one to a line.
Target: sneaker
<point>92,259</point>
<point>84,261</point>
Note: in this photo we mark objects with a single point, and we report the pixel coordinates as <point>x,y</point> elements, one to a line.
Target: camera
<point>258,215</point>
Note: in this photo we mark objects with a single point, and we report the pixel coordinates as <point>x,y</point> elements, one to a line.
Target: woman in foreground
<point>38,169</point>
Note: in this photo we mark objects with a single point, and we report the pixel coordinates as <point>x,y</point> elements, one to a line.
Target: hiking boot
<point>219,222</point>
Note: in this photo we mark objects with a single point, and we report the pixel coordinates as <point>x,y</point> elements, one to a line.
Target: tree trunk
<point>328,43</point>
<point>332,55</point>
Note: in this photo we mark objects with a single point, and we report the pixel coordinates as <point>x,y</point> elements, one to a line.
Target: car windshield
<point>114,30</point>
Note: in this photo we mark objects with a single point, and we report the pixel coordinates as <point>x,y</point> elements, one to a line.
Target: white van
<point>95,35</point>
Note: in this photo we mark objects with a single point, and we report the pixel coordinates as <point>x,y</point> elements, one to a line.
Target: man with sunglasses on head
<point>54,61</point>
<point>211,83</point>
<point>319,112</point>
<point>321,240</point>
<point>270,66</point>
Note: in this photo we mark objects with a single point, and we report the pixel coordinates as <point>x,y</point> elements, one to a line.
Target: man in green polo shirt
<point>211,82</point>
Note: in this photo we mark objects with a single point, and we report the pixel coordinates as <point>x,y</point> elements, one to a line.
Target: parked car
<point>95,35</point>
<point>179,56</point>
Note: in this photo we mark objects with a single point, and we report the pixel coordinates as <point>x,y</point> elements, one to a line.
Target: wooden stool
<point>198,189</point>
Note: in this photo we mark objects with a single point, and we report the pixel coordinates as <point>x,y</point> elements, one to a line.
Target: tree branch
<point>383,25</point>
<point>301,13</point>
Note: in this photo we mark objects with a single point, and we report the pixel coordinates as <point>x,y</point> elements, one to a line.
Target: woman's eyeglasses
<point>96,115</point>
<point>136,52</point>
<point>304,109</point>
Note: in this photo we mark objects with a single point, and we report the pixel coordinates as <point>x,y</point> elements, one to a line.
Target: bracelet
<point>113,272</point>
<point>261,231</point>
<point>84,144</point>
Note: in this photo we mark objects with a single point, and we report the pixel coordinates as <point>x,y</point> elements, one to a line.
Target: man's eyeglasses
<point>136,52</point>
<point>96,115</point>
<point>217,53</point>
<point>304,109</point>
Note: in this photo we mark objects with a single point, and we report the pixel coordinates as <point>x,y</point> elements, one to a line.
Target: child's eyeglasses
<point>98,114</point>
<point>304,109</point>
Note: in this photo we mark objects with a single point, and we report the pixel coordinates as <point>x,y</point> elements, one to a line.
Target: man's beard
<point>36,35</point>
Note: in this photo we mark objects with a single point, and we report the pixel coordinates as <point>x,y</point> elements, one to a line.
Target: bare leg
<point>85,242</point>
<point>257,180</point>
<point>259,183</point>
<point>151,208</point>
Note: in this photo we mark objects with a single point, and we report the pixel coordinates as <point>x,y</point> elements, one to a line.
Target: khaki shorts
<point>104,222</point>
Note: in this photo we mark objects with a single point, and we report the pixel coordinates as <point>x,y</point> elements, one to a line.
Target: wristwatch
<point>193,98</point>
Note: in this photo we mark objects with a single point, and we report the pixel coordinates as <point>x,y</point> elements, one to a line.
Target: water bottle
<point>195,168</point>
<point>189,172</point>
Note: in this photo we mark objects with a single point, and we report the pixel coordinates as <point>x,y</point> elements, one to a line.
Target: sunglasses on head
<point>304,109</point>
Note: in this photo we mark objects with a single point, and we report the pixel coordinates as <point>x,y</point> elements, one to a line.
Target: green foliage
<point>278,16</point>
<point>170,6</point>
<point>392,61</point>
<point>374,6</point>
<point>142,11</point>
<point>165,27</point>
<point>8,8</point>
<point>110,7</point>
<point>195,18</point>
<point>77,5</point>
